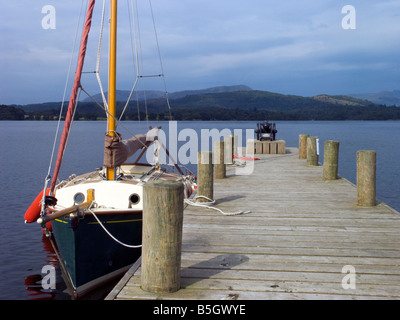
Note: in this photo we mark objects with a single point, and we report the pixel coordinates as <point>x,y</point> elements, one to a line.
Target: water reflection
<point>35,290</point>
<point>33,282</point>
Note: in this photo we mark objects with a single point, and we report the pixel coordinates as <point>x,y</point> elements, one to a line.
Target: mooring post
<point>366,178</point>
<point>162,236</point>
<point>281,146</point>
<point>303,146</point>
<point>205,175</point>
<point>235,144</point>
<point>228,143</point>
<point>312,151</point>
<point>219,160</point>
<point>265,147</point>
<point>251,147</point>
<point>331,159</point>
<point>259,147</point>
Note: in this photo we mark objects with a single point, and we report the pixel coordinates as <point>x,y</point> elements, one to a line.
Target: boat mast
<point>112,79</point>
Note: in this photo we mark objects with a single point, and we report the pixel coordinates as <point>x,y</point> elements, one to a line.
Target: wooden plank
<point>287,251</point>
<point>209,294</point>
<point>124,280</point>
<point>287,265</point>
<point>381,261</point>
<point>233,289</point>
<point>295,230</point>
<point>278,286</point>
<point>325,222</point>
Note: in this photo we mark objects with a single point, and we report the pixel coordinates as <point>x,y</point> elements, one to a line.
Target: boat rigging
<point>94,220</point>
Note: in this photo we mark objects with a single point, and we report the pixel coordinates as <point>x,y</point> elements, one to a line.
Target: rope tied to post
<point>209,205</point>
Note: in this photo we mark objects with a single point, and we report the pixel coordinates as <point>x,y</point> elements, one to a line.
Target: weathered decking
<point>299,235</point>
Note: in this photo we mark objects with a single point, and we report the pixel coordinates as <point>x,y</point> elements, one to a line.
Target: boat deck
<point>300,239</point>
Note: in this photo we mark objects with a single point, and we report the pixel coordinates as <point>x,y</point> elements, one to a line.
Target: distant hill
<point>255,105</point>
<point>388,98</point>
<point>342,100</point>
<point>223,103</point>
<point>123,95</point>
<point>265,100</point>
<point>221,89</point>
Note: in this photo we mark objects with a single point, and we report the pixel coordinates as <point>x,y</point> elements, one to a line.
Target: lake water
<point>24,161</point>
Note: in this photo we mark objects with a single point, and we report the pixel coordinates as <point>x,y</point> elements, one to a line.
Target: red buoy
<point>245,158</point>
<point>33,212</point>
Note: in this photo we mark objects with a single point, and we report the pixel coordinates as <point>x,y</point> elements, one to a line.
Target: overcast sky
<point>290,46</point>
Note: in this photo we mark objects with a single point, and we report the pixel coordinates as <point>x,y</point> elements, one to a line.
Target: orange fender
<point>33,212</point>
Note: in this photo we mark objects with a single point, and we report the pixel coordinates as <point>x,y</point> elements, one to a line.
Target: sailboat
<point>94,220</point>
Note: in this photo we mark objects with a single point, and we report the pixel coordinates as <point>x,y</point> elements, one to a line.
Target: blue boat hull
<point>88,255</point>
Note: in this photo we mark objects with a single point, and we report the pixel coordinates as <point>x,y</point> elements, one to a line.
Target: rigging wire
<point>138,105</point>
<point>110,115</point>
<point>134,53</point>
<point>141,63</point>
<point>159,56</point>
<point>136,47</point>
<point>99,56</point>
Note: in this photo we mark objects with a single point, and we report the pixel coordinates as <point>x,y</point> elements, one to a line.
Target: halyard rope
<point>48,177</point>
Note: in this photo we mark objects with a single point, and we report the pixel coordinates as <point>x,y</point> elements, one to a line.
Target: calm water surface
<point>24,161</point>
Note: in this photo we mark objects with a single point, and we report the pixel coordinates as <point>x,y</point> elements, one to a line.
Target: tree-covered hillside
<point>228,105</point>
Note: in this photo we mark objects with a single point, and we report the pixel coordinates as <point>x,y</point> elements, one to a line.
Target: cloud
<point>270,45</point>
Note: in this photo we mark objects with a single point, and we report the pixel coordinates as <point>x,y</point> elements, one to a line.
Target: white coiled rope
<point>209,203</point>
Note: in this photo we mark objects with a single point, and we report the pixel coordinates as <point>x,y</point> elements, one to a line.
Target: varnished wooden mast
<point>112,78</point>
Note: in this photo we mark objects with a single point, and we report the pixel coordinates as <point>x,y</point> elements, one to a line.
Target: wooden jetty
<point>305,238</point>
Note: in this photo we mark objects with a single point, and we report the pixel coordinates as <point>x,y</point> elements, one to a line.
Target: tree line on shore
<point>229,106</point>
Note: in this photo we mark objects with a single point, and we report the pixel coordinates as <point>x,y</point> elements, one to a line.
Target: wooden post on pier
<point>219,160</point>
<point>228,152</point>
<point>331,158</point>
<point>235,144</point>
<point>205,175</point>
<point>251,147</point>
<point>312,155</point>
<point>303,146</point>
<point>281,147</point>
<point>366,178</point>
<point>162,236</point>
